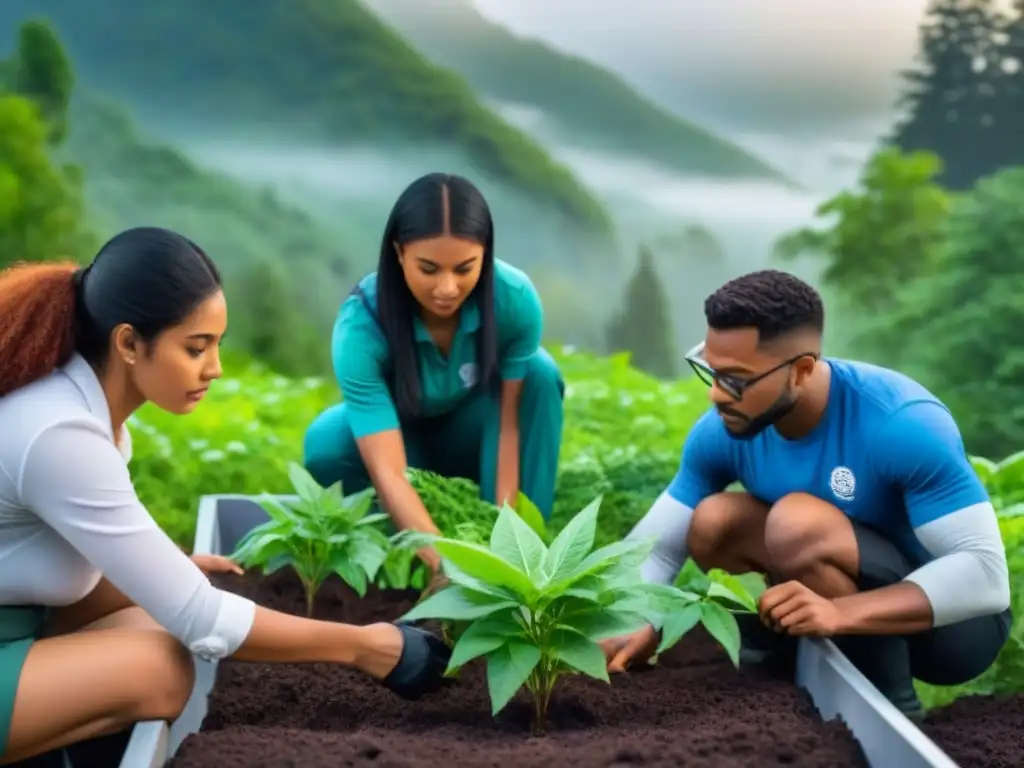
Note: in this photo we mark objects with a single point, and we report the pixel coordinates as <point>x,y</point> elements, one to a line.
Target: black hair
<point>434,205</point>
<point>148,277</point>
<point>775,303</point>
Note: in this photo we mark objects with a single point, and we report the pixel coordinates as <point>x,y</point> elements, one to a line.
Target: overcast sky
<point>789,61</point>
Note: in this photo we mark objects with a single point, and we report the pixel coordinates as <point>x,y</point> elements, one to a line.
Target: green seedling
<point>324,532</point>
<point>710,599</point>
<point>527,510</point>
<point>537,612</point>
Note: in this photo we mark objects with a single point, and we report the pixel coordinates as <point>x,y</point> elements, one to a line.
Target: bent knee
<point>802,530</point>
<point>330,452</point>
<point>717,518</point>
<point>542,374</point>
<point>164,692</point>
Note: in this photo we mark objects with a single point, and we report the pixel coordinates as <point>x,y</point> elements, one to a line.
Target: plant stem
<point>542,683</point>
<point>310,589</point>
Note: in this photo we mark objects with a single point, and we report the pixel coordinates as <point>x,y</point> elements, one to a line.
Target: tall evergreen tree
<point>42,72</point>
<point>951,99</point>
<point>643,326</point>
<point>1010,94</point>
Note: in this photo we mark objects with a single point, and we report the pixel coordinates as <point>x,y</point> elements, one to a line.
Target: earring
<point>130,360</point>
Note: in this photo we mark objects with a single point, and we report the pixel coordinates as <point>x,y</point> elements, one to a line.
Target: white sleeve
<point>668,520</point>
<point>76,480</point>
<point>969,576</point>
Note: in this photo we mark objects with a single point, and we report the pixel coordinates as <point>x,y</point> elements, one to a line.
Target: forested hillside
<point>325,71</point>
<point>584,102</point>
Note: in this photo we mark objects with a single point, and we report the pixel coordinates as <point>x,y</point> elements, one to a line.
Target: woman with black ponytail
<point>80,351</point>
<point>439,361</point>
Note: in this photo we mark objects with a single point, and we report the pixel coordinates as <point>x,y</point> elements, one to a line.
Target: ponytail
<point>38,307</point>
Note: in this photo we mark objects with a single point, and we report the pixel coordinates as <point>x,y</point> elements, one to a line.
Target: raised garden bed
<point>694,709</point>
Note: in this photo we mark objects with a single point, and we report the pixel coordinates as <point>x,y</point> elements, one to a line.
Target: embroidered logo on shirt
<point>468,374</point>
<point>843,483</point>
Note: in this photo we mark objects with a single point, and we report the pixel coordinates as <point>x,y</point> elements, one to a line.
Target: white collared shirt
<point>69,515</point>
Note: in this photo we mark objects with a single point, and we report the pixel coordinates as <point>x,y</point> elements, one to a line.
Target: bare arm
<point>384,456</point>
<point>507,484</point>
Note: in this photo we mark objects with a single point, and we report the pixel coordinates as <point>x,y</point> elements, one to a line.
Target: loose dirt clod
<point>695,710</point>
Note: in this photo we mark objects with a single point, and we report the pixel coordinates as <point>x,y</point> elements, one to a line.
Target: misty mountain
<point>132,180</point>
<point>324,71</point>
<point>582,103</point>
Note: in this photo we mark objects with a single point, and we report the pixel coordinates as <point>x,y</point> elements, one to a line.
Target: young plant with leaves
<point>710,599</point>
<point>536,612</point>
<point>321,533</point>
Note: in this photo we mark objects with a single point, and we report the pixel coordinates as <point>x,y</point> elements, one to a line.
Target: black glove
<point>421,666</point>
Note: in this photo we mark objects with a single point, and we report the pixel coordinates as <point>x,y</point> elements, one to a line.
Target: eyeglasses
<point>733,386</point>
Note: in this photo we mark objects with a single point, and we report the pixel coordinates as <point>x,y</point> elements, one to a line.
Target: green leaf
<point>527,510</point>
<point>602,623</point>
<point>479,562</point>
<point>356,507</point>
<point>580,653</point>
<point>517,544</point>
<point>278,511</point>
<point>255,540</point>
<point>350,572</point>
<point>679,623</point>
<point>305,486</point>
<point>373,519</point>
<point>368,555</point>
<point>720,590</point>
<point>456,603</point>
<point>458,576</point>
<point>606,557</point>
<point>573,543</point>
<point>692,578</point>
<point>483,636</point>
<point>508,667</point>
<point>277,563</point>
<point>722,626</point>
<point>754,583</point>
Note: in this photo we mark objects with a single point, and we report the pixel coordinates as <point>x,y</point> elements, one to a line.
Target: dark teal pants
<point>463,443</point>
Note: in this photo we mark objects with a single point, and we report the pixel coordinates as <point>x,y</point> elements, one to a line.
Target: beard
<point>752,426</point>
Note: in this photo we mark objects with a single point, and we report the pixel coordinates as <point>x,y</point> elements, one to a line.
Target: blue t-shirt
<point>886,452</point>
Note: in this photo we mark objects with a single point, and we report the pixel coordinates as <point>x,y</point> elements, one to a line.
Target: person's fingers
<point>775,595</point>
<point>780,612</point>
<point>636,645</point>
<point>799,621</point>
<point>609,647</point>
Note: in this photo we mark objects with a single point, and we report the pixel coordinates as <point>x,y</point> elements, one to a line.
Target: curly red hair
<point>37,321</point>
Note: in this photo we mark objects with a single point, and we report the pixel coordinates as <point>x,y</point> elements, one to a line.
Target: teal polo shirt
<point>361,356</point>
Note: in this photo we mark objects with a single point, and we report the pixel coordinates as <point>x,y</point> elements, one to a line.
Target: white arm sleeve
<point>669,520</point>
<point>969,576</point>
<point>75,479</point>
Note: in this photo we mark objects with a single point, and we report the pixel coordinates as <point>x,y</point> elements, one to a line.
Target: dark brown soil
<point>980,731</point>
<point>693,710</point>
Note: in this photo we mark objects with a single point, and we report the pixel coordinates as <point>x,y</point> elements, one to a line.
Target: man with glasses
<point>859,501</point>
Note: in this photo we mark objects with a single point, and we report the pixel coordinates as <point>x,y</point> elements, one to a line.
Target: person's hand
<point>625,650</point>
<point>796,609</point>
<point>437,582</point>
<point>216,564</point>
<point>408,660</point>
